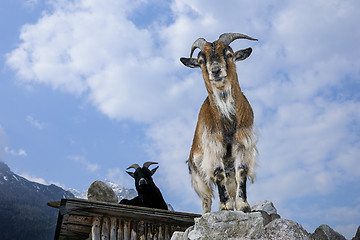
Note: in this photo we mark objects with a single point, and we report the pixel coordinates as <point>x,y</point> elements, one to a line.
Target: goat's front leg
<point>241,203</point>
<point>226,202</point>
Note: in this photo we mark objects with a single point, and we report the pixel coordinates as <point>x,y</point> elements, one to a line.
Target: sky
<point>89,87</point>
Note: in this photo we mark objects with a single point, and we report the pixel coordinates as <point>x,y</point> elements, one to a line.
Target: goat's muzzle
<point>142,182</point>
<point>215,69</point>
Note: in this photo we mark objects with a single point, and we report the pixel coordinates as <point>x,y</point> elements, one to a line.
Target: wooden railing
<point>82,219</point>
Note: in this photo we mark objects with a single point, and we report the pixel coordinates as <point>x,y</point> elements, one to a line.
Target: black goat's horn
<point>199,43</point>
<point>135,166</point>
<point>147,164</point>
<point>227,38</point>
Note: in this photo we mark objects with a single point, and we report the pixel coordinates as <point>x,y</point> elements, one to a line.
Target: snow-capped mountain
<point>120,191</point>
<point>78,194</point>
<point>12,183</point>
<point>24,213</point>
<point>23,210</point>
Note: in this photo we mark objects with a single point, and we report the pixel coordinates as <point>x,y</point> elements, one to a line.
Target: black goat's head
<point>143,175</point>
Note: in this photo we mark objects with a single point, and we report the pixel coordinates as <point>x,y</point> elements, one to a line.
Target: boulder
<point>357,235</point>
<point>100,191</point>
<point>264,205</point>
<point>283,229</point>
<point>324,232</point>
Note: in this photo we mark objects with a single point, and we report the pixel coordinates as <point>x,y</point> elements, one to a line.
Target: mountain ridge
<point>120,191</point>
<point>23,210</point>
<point>24,213</point>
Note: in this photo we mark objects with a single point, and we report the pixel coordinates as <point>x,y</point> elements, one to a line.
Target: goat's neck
<point>224,101</point>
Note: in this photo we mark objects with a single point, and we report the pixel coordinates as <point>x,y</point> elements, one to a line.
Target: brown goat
<point>224,147</point>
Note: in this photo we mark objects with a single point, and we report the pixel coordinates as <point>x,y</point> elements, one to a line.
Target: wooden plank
<point>82,220</point>
<point>78,228</point>
<point>167,232</point>
<point>105,229</point>
<point>91,208</point>
<point>160,234</point>
<point>121,221</point>
<point>149,233</point>
<point>140,231</point>
<point>95,230</point>
<point>127,231</point>
<point>133,226</point>
<point>156,232</point>
<point>113,228</point>
<point>120,230</point>
<point>55,204</point>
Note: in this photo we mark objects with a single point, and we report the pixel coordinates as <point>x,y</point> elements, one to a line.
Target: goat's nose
<point>215,69</point>
<point>142,181</point>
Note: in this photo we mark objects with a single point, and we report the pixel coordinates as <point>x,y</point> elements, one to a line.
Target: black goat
<point>149,194</point>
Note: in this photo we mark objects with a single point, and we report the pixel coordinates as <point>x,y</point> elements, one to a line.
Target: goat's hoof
<point>243,206</point>
<point>226,206</point>
<point>246,209</point>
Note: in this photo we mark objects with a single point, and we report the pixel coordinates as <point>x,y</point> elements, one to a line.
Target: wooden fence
<point>82,219</point>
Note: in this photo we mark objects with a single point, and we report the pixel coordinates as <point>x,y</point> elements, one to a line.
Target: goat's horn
<point>199,43</point>
<point>135,166</point>
<point>147,164</point>
<point>227,38</point>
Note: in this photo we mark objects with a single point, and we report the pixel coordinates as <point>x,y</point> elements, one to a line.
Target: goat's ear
<point>131,174</point>
<point>190,62</point>
<point>242,54</point>
<point>154,170</point>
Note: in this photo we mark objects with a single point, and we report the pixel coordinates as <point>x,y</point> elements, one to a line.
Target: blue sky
<point>89,87</point>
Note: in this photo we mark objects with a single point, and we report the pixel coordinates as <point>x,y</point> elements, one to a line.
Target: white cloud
<point>34,179</point>
<point>35,123</point>
<point>40,180</point>
<point>300,80</point>
<point>59,185</point>
<point>20,152</point>
<point>92,167</point>
<point>169,144</point>
<point>3,138</point>
<point>31,3</point>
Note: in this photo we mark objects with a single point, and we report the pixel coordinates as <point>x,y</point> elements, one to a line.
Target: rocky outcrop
<point>324,232</point>
<point>357,235</point>
<point>262,223</point>
<point>284,229</point>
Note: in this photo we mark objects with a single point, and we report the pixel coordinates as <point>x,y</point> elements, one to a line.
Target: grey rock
<point>182,235</point>
<point>324,232</point>
<point>170,207</point>
<point>259,224</point>
<point>283,229</point>
<point>100,191</point>
<point>264,205</point>
<point>357,236</point>
<point>177,235</point>
<point>226,225</point>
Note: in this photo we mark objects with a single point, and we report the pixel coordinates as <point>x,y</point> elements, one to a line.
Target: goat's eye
<point>200,60</point>
<point>229,55</point>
